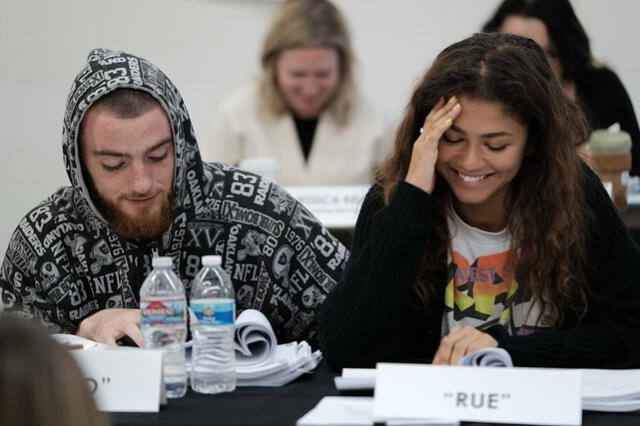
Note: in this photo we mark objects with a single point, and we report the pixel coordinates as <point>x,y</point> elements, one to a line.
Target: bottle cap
<point>162,262</point>
<point>211,260</point>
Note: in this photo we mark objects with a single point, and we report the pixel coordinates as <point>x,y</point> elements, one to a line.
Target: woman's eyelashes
<point>451,139</point>
<point>456,139</point>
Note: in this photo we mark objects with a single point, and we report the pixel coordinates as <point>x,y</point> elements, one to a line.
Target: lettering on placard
<point>94,384</point>
<point>477,400</point>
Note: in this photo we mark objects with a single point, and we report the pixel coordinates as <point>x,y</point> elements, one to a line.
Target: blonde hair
<point>307,23</point>
<point>40,383</point>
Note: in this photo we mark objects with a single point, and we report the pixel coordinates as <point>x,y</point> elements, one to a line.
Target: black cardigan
<point>368,317</point>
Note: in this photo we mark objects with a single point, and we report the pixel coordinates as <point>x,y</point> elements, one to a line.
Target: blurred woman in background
<point>554,25</point>
<point>40,384</point>
<point>306,111</point>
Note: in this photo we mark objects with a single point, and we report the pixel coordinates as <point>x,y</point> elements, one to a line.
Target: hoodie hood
<point>106,71</point>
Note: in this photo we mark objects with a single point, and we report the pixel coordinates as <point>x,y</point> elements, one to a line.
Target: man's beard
<point>144,226</point>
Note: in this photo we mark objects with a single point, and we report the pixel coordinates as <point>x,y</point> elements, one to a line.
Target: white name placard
<point>124,380</point>
<point>482,394</point>
<point>336,207</point>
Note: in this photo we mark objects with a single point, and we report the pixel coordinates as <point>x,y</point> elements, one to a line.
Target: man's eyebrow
<point>158,145</point>
<point>109,153</point>
<point>484,135</point>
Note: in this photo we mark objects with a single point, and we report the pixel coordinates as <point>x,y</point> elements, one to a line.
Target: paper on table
<point>72,339</point>
<point>255,341</point>
<point>611,390</point>
<point>289,362</point>
<point>488,357</point>
<point>356,379</point>
<point>365,378</point>
<point>355,411</point>
<point>260,361</point>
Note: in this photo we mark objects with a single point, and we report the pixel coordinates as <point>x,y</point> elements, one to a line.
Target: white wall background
<point>209,48</point>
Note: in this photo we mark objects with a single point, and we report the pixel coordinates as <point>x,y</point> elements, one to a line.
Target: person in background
<point>139,189</point>
<point>554,25</point>
<point>486,229</point>
<point>306,111</point>
<point>40,383</point>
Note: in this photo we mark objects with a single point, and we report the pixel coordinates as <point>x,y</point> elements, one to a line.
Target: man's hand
<point>459,342</point>
<point>110,325</point>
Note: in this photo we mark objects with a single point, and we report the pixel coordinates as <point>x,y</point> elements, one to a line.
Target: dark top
<point>605,101</point>
<point>368,318</point>
<point>306,129</point>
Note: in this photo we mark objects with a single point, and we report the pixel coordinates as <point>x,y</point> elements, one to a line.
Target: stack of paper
<point>611,390</point>
<point>260,361</point>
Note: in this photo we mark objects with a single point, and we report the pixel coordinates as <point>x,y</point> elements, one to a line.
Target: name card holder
<point>480,394</point>
<point>336,207</point>
<point>123,380</point>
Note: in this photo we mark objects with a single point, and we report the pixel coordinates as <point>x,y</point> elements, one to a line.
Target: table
<point>279,406</point>
<point>246,406</point>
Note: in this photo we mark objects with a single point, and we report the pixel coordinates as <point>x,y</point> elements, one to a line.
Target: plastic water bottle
<point>212,328</point>
<point>164,322</point>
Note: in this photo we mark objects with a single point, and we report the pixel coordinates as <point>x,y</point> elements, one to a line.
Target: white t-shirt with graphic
<point>484,287</point>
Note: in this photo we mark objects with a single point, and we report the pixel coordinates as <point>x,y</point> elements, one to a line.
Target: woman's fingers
<point>461,341</point>
<point>439,110</point>
<point>438,121</point>
<point>424,155</point>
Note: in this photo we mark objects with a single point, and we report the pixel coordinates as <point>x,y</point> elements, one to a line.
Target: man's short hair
<point>126,103</point>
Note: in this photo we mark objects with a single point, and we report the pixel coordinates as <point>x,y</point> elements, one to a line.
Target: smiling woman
<point>486,229</point>
<point>305,112</point>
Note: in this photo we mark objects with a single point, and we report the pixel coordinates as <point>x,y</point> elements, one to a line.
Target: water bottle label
<point>163,311</point>
<point>213,313</point>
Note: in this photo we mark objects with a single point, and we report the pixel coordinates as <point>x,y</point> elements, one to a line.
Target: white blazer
<point>340,155</point>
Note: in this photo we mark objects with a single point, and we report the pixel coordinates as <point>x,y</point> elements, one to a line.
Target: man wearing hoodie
<point>139,189</point>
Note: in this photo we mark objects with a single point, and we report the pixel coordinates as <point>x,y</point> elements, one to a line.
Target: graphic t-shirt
<point>484,286</point>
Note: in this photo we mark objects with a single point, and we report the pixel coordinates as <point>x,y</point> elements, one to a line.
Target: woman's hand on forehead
<point>425,149</point>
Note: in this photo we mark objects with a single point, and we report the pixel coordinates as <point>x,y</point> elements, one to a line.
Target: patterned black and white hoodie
<point>64,262</point>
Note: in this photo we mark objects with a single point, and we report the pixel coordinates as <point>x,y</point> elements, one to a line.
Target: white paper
<point>255,340</point>
<point>611,384</point>
<point>356,379</point>
<point>260,361</point>
<point>611,390</point>
<point>293,359</point>
<point>72,339</point>
<point>488,357</point>
<point>354,411</point>
<point>365,378</point>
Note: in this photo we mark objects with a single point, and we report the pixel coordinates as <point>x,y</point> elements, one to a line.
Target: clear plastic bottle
<point>164,322</point>
<point>212,302</point>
